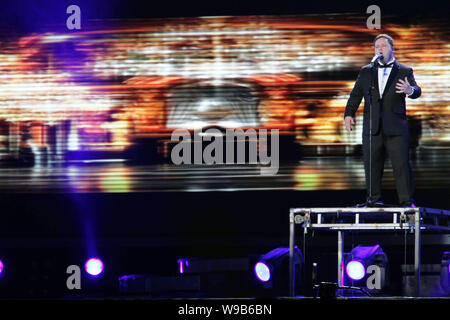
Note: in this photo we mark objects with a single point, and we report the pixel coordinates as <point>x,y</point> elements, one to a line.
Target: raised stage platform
<point>346,219</point>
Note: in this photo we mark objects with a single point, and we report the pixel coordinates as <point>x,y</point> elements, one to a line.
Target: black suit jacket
<point>391,108</point>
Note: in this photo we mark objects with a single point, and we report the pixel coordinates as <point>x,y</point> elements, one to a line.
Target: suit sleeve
<point>412,82</point>
<point>355,97</point>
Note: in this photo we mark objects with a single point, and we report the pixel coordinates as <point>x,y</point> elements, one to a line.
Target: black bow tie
<point>389,65</point>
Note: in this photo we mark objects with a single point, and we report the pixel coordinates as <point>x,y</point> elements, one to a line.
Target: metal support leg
<point>417,245</point>
<point>291,254</point>
<point>340,256</point>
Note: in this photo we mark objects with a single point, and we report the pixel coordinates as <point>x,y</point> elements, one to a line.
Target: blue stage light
<point>366,267</point>
<point>262,272</point>
<point>271,271</point>
<point>94,266</point>
<point>355,270</point>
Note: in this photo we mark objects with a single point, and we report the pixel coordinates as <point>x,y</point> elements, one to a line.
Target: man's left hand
<point>403,87</point>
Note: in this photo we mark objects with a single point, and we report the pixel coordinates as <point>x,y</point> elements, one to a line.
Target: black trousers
<point>397,148</point>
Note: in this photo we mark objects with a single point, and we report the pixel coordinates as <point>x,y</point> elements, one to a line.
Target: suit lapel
<point>375,82</point>
<point>391,78</point>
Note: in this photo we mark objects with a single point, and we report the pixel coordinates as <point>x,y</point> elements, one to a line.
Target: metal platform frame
<point>353,219</point>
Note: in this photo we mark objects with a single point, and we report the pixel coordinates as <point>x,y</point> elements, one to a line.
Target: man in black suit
<point>389,130</point>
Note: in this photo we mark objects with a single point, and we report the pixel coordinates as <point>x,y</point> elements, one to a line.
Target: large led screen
<point>95,110</point>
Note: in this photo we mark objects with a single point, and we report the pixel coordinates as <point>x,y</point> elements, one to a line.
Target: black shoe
<point>378,204</point>
<point>362,205</point>
<point>408,204</point>
<point>371,204</point>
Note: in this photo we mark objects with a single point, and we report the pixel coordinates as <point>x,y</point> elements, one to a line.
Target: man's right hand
<point>349,122</point>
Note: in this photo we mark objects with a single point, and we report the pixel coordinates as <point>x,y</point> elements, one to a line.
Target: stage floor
<point>431,169</point>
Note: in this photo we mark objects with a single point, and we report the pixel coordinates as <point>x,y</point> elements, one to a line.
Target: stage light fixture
<point>1,267</point>
<point>271,271</point>
<point>94,266</point>
<point>355,270</point>
<point>262,272</point>
<point>366,267</point>
<point>445,272</point>
<point>219,276</point>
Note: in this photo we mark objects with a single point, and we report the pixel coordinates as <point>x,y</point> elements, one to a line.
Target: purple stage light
<point>1,267</point>
<point>355,270</point>
<point>262,272</point>
<point>180,263</point>
<point>94,266</point>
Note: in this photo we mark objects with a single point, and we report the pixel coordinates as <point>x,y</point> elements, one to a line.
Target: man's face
<point>383,47</point>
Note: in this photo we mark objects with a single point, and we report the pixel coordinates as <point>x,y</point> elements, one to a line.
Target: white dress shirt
<point>383,76</point>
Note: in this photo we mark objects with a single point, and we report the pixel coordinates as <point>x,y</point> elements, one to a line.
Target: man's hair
<point>388,37</point>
